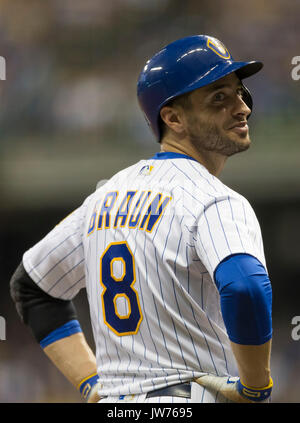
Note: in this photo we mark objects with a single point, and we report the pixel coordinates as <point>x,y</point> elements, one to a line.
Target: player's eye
<point>219,96</point>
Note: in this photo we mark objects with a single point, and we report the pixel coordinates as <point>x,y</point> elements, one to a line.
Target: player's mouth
<point>240,128</point>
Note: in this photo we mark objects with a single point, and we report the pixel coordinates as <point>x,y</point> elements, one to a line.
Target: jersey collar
<point>163,155</point>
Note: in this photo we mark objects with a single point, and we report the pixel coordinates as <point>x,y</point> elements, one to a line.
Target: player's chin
<point>235,145</point>
<point>242,140</point>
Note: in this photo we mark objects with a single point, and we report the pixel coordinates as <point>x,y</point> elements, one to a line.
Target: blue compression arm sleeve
<point>246,299</point>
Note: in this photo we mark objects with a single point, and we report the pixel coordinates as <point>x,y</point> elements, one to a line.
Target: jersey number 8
<point>116,287</point>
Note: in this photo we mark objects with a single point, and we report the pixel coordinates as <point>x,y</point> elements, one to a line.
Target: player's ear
<point>173,118</point>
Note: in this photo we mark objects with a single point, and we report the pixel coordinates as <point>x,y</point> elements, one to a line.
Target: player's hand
<point>232,389</point>
<point>93,395</point>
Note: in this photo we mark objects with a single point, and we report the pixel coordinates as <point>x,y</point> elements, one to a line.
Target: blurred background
<point>69,118</point>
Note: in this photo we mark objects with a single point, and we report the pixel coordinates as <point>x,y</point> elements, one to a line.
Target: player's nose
<point>241,108</point>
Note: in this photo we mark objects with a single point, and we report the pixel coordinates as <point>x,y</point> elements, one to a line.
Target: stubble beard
<point>209,138</point>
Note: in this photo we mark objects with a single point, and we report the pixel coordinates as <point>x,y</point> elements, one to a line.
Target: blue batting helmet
<point>183,66</point>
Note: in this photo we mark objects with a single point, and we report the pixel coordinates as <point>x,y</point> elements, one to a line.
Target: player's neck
<point>212,161</point>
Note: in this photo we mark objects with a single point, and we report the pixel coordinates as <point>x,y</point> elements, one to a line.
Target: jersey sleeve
<point>227,226</point>
<point>56,263</point>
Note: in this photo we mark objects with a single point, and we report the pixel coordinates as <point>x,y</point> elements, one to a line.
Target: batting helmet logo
<point>217,47</point>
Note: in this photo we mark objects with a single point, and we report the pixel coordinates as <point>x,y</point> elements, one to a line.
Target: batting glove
<point>234,390</point>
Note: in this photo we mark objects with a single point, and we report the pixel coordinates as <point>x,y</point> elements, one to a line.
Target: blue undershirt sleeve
<point>245,298</point>
<point>68,329</point>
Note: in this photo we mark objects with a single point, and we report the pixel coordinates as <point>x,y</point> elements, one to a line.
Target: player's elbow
<point>246,300</point>
<point>254,290</point>
<point>40,311</point>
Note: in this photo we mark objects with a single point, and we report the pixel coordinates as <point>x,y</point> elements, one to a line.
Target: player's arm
<point>74,358</point>
<point>253,363</point>
<point>55,326</point>
<point>246,304</point>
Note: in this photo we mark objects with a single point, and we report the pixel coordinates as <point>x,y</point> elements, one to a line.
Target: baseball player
<point>172,259</point>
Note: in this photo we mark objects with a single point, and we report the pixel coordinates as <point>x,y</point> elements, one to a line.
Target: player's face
<point>217,119</point>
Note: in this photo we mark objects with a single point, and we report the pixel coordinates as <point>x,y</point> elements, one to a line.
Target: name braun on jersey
<point>136,209</point>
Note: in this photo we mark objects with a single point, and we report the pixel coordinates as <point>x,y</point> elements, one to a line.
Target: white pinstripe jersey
<point>145,246</point>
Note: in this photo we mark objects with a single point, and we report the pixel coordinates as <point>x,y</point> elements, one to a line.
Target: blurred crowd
<point>72,66</point>
<point>71,72</point>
